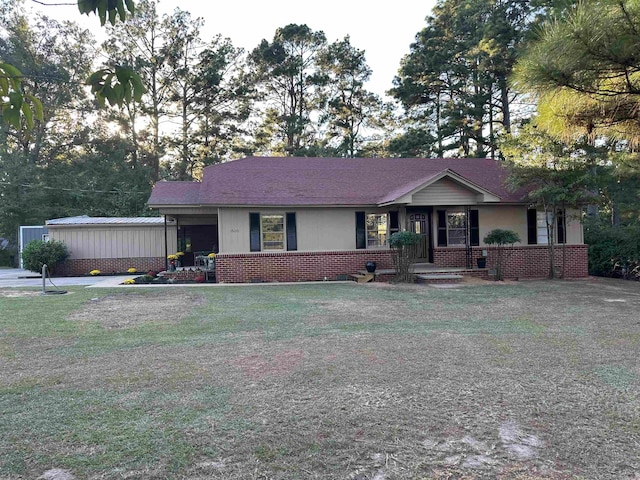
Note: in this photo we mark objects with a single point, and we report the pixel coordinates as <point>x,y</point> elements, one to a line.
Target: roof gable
<point>445,188</point>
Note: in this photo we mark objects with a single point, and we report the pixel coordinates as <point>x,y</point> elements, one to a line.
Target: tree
<point>348,107</point>
<point>453,83</point>
<point>147,44</point>
<point>289,80</point>
<point>585,69</point>
<point>116,83</point>
<point>556,176</point>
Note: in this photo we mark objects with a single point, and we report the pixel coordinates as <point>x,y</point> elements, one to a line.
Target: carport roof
<point>86,220</point>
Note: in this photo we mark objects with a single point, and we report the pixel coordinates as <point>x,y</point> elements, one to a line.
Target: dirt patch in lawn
<point>10,293</point>
<point>121,311</point>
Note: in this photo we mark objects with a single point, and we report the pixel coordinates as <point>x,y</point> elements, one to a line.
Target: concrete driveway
<point>17,277</point>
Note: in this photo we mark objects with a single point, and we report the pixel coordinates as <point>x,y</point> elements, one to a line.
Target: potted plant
<point>370,266</point>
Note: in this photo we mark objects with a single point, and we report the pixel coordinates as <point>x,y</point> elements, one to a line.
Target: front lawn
<point>531,380</point>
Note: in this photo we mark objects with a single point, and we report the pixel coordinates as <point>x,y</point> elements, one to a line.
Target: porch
<point>426,273</point>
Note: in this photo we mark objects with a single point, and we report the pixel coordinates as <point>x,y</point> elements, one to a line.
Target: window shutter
<point>442,228</point>
<point>394,221</point>
<point>292,237</point>
<point>560,226</point>
<point>254,232</point>
<point>532,226</point>
<point>361,231</point>
<point>474,228</point>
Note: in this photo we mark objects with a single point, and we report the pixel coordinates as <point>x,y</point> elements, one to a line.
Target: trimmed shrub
<point>404,246</point>
<point>501,238</point>
<point>38,253</point>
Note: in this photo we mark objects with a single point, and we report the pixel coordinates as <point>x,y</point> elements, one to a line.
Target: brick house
<point>296,219</point>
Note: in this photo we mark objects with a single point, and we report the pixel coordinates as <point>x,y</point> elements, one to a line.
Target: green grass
<point>320,381</point>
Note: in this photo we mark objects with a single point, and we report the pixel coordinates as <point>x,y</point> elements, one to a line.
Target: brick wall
<point>526,261</point>
<point>296,266</point>
<point>75,267</point>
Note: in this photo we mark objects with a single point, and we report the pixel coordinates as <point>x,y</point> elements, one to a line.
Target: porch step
<point>439,278</point>
<point>362,277</point>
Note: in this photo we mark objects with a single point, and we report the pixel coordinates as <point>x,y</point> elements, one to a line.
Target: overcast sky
<point>383,29</point>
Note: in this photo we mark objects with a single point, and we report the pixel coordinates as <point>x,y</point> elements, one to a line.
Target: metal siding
<point>444,192</point>
<point>116,242</point>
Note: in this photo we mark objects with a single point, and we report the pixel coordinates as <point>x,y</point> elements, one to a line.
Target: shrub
<point>94,272</point>
<point>132,270</point>
<point>38,253</point>
<point>613,251</point>
<point>501,238</point>
<point>404,246</point>
<point>200,279</point>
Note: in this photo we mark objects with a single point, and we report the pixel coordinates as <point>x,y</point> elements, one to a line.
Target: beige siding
<point>318,229</point>
<point>112,241</point>
<point>505,217</point>
<point>444,192</point>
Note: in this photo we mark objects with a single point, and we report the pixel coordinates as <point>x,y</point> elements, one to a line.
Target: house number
<point>235,230</point>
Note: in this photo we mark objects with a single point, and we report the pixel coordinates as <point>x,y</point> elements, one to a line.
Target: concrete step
<point>439,278</point>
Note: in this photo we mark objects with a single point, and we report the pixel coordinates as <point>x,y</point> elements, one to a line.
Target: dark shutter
<point>394,222</point>
<point>474,228</point>
<point>292,237</point>
<point>442,228</point>
<point>532,226</point>
<point>361,231</point>
<point>254,232</point>
<point>560,226</point>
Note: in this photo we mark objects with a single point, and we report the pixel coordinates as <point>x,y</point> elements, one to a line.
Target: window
<point>542,238</point>
<point>272,229</point>
<point>457,228</point>
<point>537,227</point>
<point>376,225</point>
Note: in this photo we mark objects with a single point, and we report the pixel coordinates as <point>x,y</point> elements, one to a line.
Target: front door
<point>420,222</point>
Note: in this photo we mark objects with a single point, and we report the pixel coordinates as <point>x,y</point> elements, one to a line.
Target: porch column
<point>166,252</point>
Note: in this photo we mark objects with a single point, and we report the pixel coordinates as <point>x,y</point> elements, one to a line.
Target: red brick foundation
<point>296,266</point>
<point>526,261</point>
<point>108,266</point>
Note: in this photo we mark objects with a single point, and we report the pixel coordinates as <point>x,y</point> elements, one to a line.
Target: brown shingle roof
<point>175,193</point>
<point>284,181</point>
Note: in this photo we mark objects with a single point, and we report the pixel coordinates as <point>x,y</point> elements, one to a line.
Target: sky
<point>384,30</point>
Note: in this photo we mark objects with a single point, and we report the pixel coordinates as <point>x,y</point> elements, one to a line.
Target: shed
<point>114,244</point>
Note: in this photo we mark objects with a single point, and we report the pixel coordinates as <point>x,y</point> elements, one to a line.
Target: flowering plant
<point>212,255</point>
<point>132,270</point>
<point>179,254</point>
<point>129,281</point>
<point>94,272</point>
<point>172,256</point>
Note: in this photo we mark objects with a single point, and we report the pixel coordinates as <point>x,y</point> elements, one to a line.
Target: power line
<point>73,190</point>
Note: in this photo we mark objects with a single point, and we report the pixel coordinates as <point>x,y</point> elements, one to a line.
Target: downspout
<point>166,247</point>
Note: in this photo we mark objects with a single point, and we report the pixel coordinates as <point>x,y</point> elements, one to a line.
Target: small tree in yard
<point>404,247</point>
<point>38,253</point>
<point>501,238</point>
